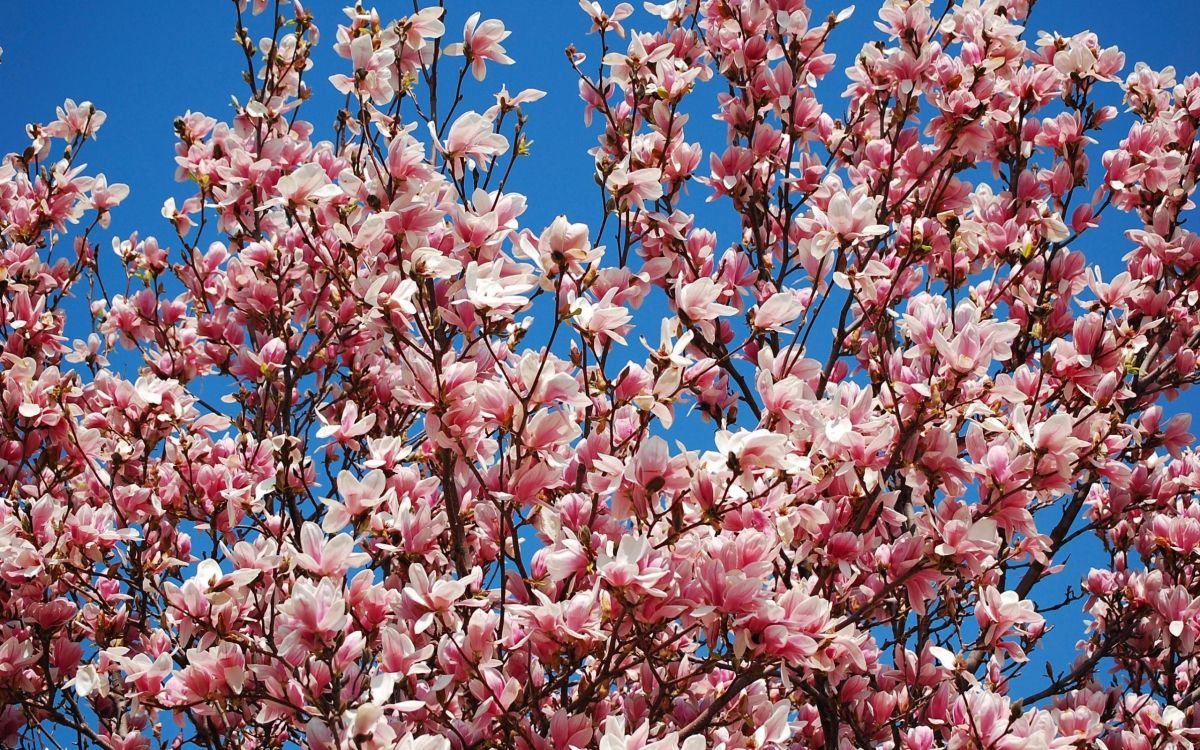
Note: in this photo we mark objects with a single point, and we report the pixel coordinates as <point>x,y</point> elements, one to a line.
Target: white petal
<point>945,656</point>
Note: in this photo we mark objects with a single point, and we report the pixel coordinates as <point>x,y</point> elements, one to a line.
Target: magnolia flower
<point>615,738</point>
<point>697,303</point>
<point>563,246</point>
<point>1075,58</point>
<point>314,614</point>
<point>481,42</point>
<point>327,556</point>
<point>603,319</point>
<point>305,186</point>
<point>506,102</point>
<point>850,218</point>
<point>348,427</point>
<point>604,21</point>
<point>670,349</point>
<point>629,566</point>
<point>265,362</point>
<point>373,71</point>
<point>400,298</point>
<point>88,351</point>
<point>670,10</point>
<point>488,288</point>
<point>776,312</point>
<point>471,138</point>
<point>434,596</point>
<point>752,448</point>
<point>73,120</point>
<point>357,496</point>
<point>999,612</point>
<point>87,681</point>
<point>634,188</point>
<point>105,196</point>
<point>623,67</point>
<point>424,24</point>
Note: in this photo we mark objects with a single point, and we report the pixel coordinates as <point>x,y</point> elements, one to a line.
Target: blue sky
<point>145,63</point>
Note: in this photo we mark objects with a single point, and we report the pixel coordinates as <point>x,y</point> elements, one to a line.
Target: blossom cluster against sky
<point>147,63</point>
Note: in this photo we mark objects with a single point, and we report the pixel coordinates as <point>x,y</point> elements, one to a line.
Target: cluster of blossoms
<point>307,473</point>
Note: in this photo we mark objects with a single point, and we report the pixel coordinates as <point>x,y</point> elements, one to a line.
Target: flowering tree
<point>304,472</point>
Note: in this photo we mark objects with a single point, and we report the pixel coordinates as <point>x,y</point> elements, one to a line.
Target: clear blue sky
<point>145,63</point>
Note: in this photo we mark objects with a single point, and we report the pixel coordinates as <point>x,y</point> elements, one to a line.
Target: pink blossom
<point>481,42</point>
<point>364,457</point>
<point>603,318</point>
<point>373,73</point>
<point>605,21</point>
<point>471,139</point>
<point>635,187</point>
<point>348,427</point>
<point>308,184</point>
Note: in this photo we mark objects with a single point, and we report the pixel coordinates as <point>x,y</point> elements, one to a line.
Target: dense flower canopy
<point>352,458</point>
